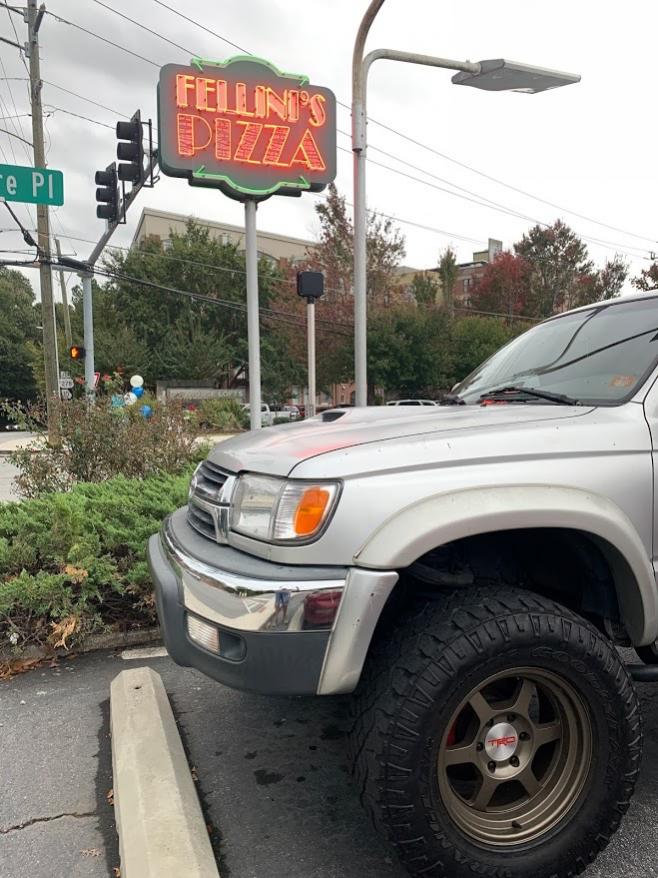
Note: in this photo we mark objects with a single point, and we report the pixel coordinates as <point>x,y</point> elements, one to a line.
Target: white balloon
<point>136,381</point>
<point>130,398</point>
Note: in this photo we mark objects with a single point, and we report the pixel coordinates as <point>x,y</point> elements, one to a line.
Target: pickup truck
<point>468,572</point>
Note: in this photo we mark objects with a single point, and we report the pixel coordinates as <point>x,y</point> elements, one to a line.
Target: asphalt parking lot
<point>271,772</point>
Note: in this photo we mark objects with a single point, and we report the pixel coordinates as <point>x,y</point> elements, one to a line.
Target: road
<point>272,773</point>
<point>9,440</point>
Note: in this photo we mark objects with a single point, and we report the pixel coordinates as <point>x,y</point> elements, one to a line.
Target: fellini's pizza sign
<point>246,128</point>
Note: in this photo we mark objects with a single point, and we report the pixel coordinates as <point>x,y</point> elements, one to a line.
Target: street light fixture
<point>491,75</point>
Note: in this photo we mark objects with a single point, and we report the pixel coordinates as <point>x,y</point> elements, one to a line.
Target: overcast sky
<point>589,148</point>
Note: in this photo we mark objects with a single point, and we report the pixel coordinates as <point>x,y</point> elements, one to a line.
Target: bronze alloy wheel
<point>515,756</point>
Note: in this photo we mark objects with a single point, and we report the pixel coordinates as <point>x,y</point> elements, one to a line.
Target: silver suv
<point>468,571</point>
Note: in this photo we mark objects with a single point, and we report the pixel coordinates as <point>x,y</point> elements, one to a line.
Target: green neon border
<point>300,183</point>
<point>198,62</point>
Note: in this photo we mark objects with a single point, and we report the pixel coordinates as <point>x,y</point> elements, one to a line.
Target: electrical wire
<point>510,186</point>
<point>190,52</point>
<point>284,317</point>
<point>428,148</point>
<point>60,20</point>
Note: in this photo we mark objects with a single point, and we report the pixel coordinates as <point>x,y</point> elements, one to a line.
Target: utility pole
<point>65,299</point>
<point>34,18</point>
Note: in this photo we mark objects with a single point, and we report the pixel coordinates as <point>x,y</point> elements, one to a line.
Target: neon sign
<point>246,128</point>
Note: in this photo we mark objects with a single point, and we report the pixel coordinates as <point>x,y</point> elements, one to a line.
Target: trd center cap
<point>501,742</point>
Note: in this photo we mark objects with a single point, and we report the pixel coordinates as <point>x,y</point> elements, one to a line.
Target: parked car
<point>411,402</point>
<point>286,413</point>
<point>490,556</point>
<point>266,415</point>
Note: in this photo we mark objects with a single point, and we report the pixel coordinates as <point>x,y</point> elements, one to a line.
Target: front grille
<point>210,480</point>
<point>201,520</point>
<point>208,507</point>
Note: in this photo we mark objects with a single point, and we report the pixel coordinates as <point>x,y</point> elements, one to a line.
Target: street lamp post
<point>492,75</point>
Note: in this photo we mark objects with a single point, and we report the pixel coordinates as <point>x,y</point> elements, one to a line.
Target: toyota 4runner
<point>468,571</point>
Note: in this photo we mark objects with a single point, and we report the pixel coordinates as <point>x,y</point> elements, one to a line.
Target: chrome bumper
<point>244,603</point>
<point>266,606</point>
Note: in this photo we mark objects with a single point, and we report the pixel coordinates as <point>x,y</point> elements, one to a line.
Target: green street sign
<point>32,185</point>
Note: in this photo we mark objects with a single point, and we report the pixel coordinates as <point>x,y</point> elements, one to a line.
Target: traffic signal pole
<point>88,327</point>
<point>51,367</point>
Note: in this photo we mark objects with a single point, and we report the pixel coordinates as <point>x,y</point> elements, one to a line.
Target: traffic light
<point>77,352</point>
<point>107,194</point>
<point>130,149</point>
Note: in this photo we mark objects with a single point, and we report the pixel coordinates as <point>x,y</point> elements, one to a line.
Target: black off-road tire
<point>417,672</point>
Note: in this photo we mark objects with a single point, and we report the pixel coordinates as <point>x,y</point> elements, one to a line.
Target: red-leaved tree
<point>503,288</point>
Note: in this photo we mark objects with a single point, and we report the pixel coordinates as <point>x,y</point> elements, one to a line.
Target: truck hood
<point>278,450</point>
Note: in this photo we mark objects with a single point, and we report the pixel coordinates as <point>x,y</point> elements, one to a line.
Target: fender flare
<point>444,518</point>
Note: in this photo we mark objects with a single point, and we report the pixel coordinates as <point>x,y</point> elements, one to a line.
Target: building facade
<point>160,224</point>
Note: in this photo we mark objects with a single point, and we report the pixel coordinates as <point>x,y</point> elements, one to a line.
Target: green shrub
<point>100,442</point>
<point>225,414</point>
<point>74,563</point>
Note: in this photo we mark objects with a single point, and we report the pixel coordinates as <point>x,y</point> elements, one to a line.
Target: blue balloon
<point>146,410</point>
<point>138,391</point>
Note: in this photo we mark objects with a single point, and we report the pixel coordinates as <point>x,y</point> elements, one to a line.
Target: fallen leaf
<point>91,852</point>
<point>110,796</point>
<point>62,630</point>
<point>13,667</point>
<point>195,776</point>
<point>116,872</point>
<point>77,574</point>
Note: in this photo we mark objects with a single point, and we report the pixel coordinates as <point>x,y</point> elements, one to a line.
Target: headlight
<point>277,510</point>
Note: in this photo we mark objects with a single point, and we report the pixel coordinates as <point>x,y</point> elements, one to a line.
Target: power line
<point>480,200</point>
<point>91,33</point>
<point>203,27</point>
<point>270,313</point>
<point>505,184</point>
<point>144,27</point>
<point>53,108</point>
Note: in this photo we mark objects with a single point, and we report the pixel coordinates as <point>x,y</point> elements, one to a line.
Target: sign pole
<point>310,318</point>
<point>88,322</point>
<point>253,331</point>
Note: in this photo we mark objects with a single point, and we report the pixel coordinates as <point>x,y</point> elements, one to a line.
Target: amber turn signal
<point>310,511</point>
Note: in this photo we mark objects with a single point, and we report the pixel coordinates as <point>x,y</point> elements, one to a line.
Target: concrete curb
<point>103,640</point>
<point>162,832</point>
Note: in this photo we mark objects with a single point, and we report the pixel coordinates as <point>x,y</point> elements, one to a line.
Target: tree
<point>19,336</point>
<point>647,279</point>
<point>448,271</point>
<point>503,287</point>
<point>180,337</point>
<point>334,253</point>
<point>475,339</point>
<point>409,351</point>
<point>424,288</point>
<point>561,274</point>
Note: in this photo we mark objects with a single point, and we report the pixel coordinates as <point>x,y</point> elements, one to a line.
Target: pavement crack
<point>34,820</point>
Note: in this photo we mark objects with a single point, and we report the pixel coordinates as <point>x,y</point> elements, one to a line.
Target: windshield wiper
<point>518,390</point>
<point>451,399</point>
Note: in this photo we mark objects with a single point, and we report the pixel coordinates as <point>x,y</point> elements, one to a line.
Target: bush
<point>100,442</point>
<point>225,414</point>
<point>75,563</point>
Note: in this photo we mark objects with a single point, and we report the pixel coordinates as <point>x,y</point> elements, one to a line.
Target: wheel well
<point>572,567</point>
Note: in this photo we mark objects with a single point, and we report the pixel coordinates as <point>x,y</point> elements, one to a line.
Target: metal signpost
<point>310,286</point>
<point>246,128</point>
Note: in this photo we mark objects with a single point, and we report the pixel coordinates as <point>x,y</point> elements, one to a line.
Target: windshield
<point>598,357</point>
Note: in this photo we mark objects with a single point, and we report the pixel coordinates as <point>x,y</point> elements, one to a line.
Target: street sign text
<point>31,185</point>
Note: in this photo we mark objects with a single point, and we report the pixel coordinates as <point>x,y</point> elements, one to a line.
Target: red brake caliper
<point>452,736</point>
